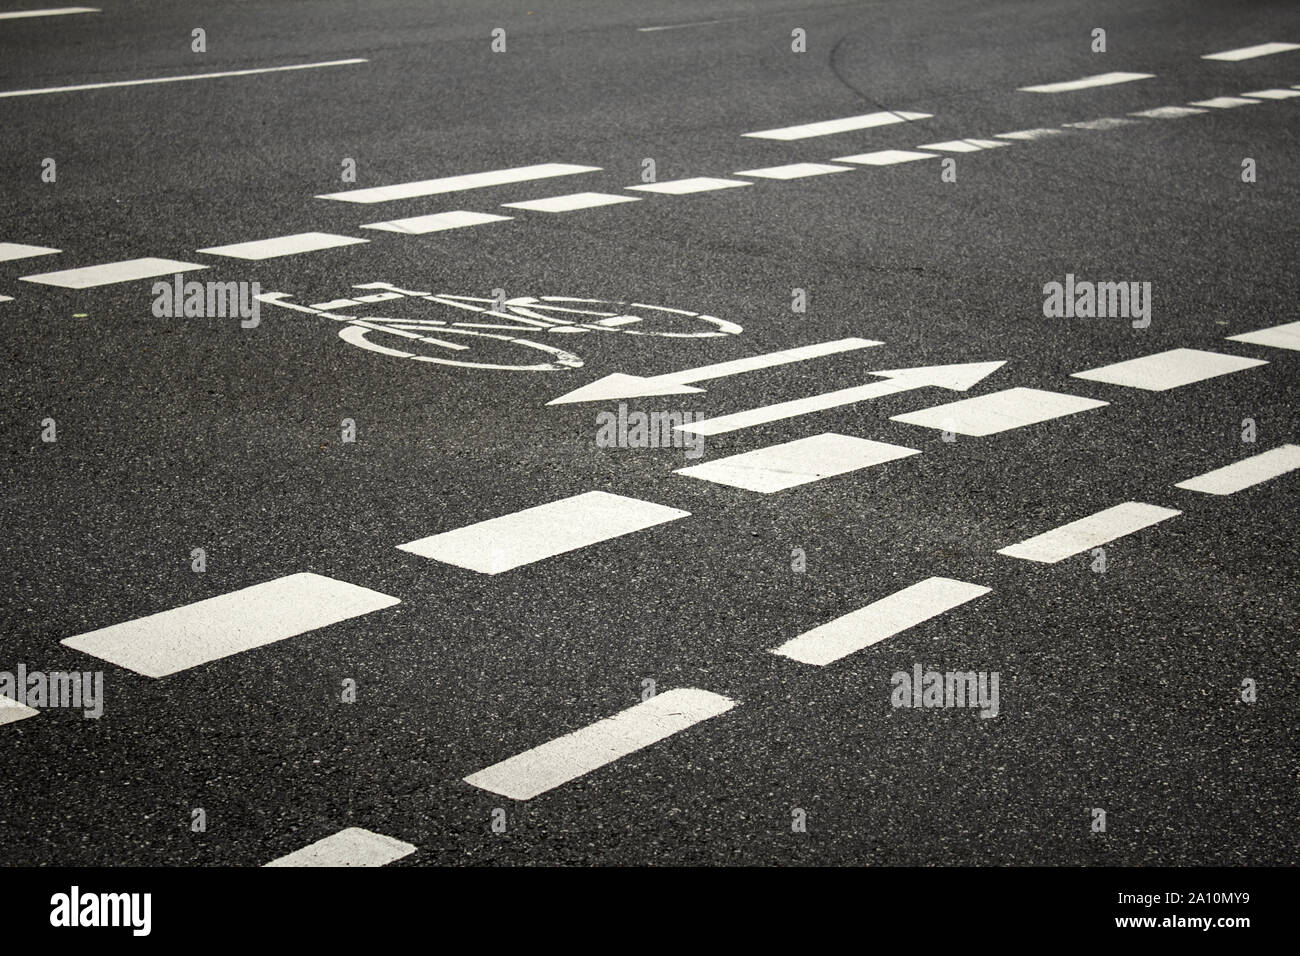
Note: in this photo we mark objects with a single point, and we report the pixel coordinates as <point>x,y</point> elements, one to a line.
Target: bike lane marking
<point>1089,532</point>
<point>543,531</point>
<point>283,245</point>
<point>576,754</point>
<point>351,847</point>
<point>447,184</point>
<point>879,620</point>
<point>436,222</point>
<point>799,462</point>
<point>171,641</point>
<point>1246,473</point>
<point>112,272</point>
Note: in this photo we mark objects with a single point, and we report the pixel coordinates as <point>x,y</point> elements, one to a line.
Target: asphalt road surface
<point>681,656</point>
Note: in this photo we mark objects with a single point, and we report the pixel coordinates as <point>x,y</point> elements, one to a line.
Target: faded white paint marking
<point>879,620</point>
<point>513,540</point>
<point>179,79</point>
<point>1168,112</point>
<point>448,184</point>
<point>1105,122</point>
<point>1243,474</point>
<point>283,245</point>
<point>963,145</point>
<point>794,171</point>
<point>576,754</point>
<point>847,124</point>
<point>351,847</point>
<point>17,250</point>
<point>1273,94</point>
<point>218,627</point>
<point>999,411</point>
<point>570,202</point>
<point>1032,134</point>
<point>696,184</point>
<point>436,222</point>
<point>1250,52</point>
<point>1090,532</point>
<point>47,12</point>
<point>1171,369</point>
<point>112,272</point>
<point>886,157</point>
<point>1087,82</point>
<point>1226,102</point>
<point>777,467</point>
<point>1278,337</point>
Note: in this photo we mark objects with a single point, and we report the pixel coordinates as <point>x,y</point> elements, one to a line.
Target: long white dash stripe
<point>11,710</point>
<point>885,157</point>
<point>683,26</point>
<point>1105,122</point>
<point>449,184</point>
<point>576,754</point>
<point>1090,532</point>
<point>696,184</point>
<point>1250,52</point>
<point>351,847</point>
<point>1168,112</point>
<point>6,298</point>
<point>181,79</point>
<point>18,250</point>
<point>1278,337</point>
<point>847,124</point>
<point>963,145</point>
<point>436,222</point>
<point>1276,94</point>
<point>1087,82</point>
<point>999,411</point>
<point>571,201</point>
<point>798,462</point>
<point>112,272</point>
<point>513,540</point>
<point>1171,369</point>
<point>47,12</point>
<point>1226,102</point>
<point>1031,134</point>
<point>283,245</point>
<point>1249,471</point>
<point>879,620</point>
<point>218,627</point>
<point>794,171</point>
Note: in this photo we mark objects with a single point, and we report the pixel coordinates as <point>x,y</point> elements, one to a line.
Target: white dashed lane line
<point>46,12</point>
<point>283,246</point>
<point>351,847</point>
<point>1225,102</point>
<point>1168,112</point>
<point>794,171</point>
<point>1250,52</point>
<point>1251,471</point>
<point>11,710</point>
<point>571,201</point>
<point>1273,94</point>
<point>695,184</point>
<point>1028,135</point>
<point>885,157</point>
<point>566,758</point>
<point>844,125</point>
<point>1171,369</point>
<point>1278,337</point>
<point>1087,82</point>
<point>111,273</point>
<point>1090,532</point>
<point>436,222</point>
<point>17,250</point>
<point>449,184</point>
<point>180,79</point>
<point>963,145</point>
<point>798,462</point>
<point>999,411</point>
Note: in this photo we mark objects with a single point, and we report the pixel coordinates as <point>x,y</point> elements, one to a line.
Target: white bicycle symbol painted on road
<point>469,344</point>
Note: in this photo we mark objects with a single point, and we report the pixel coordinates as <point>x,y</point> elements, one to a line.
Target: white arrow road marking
<point>998,411</point>
<point>1250,52</point>
<point>283,245</point>
<point>1278,336</point>
<point>112,272</point>
<point>957,378</point>
<point>798,462</point>
<point>11,710</point>
<point>1171,369</point>
<point>17,250</point>
<point>1087,82</point>
<point>218,627</point>
<point>880,620</point>
<point>513,540</point>
<point>448,184</point>
<point>351,847</point>
<point>618,385</point>
<point>847,124</point>
<point>1090,532</point>
<point>566,758</point>
<point>1250,471</point>
<point>436,222</point>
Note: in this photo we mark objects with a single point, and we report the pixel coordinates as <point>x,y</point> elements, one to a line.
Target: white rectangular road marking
<point>797,462</point>
<point>566,758</point>
<point>11,710</point>
<point>17,250</point>
<point>1031,134</point>
<point>794,171</point>
<point>180,79</point>
<point>1250,52</point>
<point>436,222</point>
<point>1090,532</point>
<point>1232,478</point>
<point>449,184</point>
<point>208,630</point>
<point>1226,102</point>
<point>1087,82</point>
<point>1273,94</point>
<point>1279,337</point>
<point>879,620</point>
<point>847,124</point>
<point>513,540</point>
<point>1106,122</point>
<point>885,157</point>
<point>1166,370</point>
<point>351,847</point>
<point>963,145</point>
<point>112,272</point>
<point>696,184</point>
<point>998,411</point>
<point>570,202</point>
<point>283,245</point>
<point>1168,112</point>
<point>47,12</point>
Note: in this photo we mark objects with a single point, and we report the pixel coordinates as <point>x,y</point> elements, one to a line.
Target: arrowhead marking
<point>956,377</point>
<point>618,386</point>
